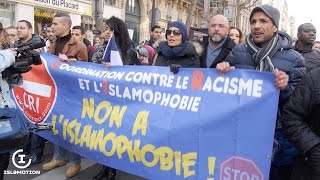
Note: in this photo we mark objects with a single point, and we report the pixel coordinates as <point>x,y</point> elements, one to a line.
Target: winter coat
<point>188,57</point>
<point>99,52</point>
<point>34,40</point>
<point>301,122</point>
<point>90,49</point>
<point>311,57</point>
<point>226,49</point>
<point>292,63</point>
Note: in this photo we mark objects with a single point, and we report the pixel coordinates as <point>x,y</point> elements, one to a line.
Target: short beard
<point>216,38</point>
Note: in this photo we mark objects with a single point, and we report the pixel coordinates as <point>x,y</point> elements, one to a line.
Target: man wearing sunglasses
<point>218,44</point>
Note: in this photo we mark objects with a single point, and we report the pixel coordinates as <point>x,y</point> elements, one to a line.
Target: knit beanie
<point>182,27</point>
<point>143,51</point>
<point>151,52</point>
<point>270,11</point>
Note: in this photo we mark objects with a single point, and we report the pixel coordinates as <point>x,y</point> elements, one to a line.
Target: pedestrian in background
<point>316,46</point>
<point>307,34</point>
<point>236,35</point>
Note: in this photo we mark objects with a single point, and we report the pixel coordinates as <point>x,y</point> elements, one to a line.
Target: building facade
<point>41,12</point>
<point>92,14</point>
<point>135,13</point>
<point>237,11</point>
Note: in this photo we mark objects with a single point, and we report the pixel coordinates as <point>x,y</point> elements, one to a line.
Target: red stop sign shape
<point>37,95</point>
<point>237,168</point>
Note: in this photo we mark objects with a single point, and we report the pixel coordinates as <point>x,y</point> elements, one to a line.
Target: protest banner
<point>150,122</point>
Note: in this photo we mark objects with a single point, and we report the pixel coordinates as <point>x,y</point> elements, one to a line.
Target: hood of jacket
<point>199,47</point>
<point>286,40</point>
<point>155,45</point>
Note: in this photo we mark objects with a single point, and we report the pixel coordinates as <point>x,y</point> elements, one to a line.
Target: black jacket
<point>301,114</point>
<point>311,57</point>
<point>34,40</point>
<point>226,48</point>
<point>187,58</point>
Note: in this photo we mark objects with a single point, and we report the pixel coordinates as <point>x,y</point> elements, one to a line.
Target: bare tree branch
<point>247,4</point>
<point>191,14</point>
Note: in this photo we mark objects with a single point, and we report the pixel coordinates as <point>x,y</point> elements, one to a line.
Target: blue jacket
<point>292,63</point>
<point>7,58</point>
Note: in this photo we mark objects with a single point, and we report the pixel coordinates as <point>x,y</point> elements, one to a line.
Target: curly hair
<point>241,37</point>
<point>3,39</point>
<point>121,36</point>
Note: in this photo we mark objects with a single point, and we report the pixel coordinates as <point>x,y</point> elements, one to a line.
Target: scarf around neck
<point>262,56</point>
<point>171,52</point>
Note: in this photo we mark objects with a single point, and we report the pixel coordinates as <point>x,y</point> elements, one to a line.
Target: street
<point>88,170</point>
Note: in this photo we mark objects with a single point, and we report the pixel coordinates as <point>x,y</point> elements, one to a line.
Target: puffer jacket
<point>292,63</point>
<point>311,57</point>
<point>301,114</point>
<point>188,57</point>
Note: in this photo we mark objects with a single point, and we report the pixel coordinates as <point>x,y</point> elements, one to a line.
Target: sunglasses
<point>175,32</point>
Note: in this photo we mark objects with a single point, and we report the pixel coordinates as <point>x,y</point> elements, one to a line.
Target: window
<point>111,2</point>
<point>131,6</point>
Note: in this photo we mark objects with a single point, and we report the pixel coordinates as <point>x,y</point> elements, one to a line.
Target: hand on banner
<point>174,68</point>
<point>282,79</point>
<point>224,67</point>
<point>40,50</point>
<point>63,57</point>
<point>106,64</point>
<point>72,60</point>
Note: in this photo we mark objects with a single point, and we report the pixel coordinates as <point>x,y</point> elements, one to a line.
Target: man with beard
<point>269,50</point>
<point>25,36</point>
<point>307,34</point>
<point>218,45</point>
<point>51,37</point>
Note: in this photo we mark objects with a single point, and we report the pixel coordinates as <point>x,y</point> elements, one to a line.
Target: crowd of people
<point>296,150</point>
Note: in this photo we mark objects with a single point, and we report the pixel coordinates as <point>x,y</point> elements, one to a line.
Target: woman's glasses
<point>175,32</point>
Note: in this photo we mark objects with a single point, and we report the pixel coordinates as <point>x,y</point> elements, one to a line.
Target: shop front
<point>7,14</point>
<point>42,17</point>
<point>41,12</point>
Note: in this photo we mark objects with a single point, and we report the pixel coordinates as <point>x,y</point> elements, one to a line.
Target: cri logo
<point>37,95</point>
<point>21,161</point>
